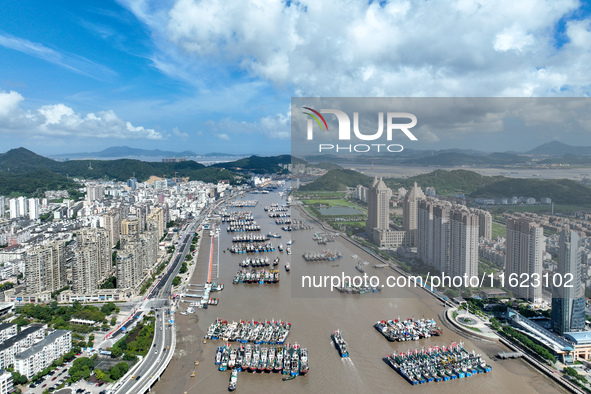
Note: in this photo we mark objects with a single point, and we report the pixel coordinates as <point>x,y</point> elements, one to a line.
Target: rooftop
<point>36,348</point>
<point>579,338</point>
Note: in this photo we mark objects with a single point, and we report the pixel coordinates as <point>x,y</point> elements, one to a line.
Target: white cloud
<point>274,126</point>
<point>223,136</point>
<point>61,120</point>
<point>352,48</point>
<point>179,133</point>
<point>70,61</point>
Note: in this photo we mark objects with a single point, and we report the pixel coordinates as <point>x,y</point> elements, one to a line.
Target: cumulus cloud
<point>360,48</point>
<point>61,120</point>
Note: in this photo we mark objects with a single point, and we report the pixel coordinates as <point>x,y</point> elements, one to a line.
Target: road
<point>153,360</point>
<point>159,299</point>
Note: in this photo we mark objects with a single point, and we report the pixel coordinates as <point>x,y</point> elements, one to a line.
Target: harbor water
<point>314,315</point>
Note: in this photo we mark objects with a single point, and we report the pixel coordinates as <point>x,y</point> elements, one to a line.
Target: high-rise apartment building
<point>378,204</point>
<point>129,268</point>
<point>33,208</point>
<point>410,212</point>
<point>94,192</point>
<point>23,208</point>
<point>448,237</point>
<point>92,260</point>
<point>524,251</point>
<point>111,222</point>
<point>568,302</point>
<point>45,269</point>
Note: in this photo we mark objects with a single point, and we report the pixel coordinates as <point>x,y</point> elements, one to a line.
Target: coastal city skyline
<point>315,196</point>
<point>94,75</point>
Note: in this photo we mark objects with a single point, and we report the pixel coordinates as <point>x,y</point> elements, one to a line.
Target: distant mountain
<point>260,164</point>
<point>126,151</point>
<point>563,191</point>
<point>218,154</point>
<point>556,148</point>
<point>23,171</point>
<point>337,180</point>
<point>568,159</point>
<point>447,182</point>
<point>458,159</point>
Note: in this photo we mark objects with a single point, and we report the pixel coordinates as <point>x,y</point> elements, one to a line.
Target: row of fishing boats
<point>255,247</point>
<point>270,332</point>
<point>288,359</point>
<point>273,215</point>
<point>437,364</point>
<point>276,208</point>
<point>250,238</point>
<point>282,221</point>
<point>243,227</point>
<point>349,288</point>
<point>296,227</point>
<point>325,255</point>
<point>244,203</point>
<point>254,276</point>
<point>407,330</point>
<point>259,262</point>
<point>237,216</point>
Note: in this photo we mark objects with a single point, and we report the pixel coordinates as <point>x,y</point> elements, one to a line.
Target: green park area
<point>498,230</point>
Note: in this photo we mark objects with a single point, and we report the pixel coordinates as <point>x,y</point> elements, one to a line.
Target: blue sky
<point>219,75</point>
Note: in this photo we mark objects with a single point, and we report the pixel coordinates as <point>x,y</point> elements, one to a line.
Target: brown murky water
<point>314,318</point>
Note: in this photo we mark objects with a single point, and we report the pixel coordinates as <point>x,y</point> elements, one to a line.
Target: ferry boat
<point>340,343</point>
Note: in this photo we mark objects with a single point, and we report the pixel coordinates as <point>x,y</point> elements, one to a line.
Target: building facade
<point>524,251</point>
<point>45,269</point>
<point>568,303</point>
<point>92,260</point>
<point>42,354</point>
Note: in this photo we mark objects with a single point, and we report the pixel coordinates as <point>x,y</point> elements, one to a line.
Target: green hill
<point>25,172</point>
<point>450,159</point>
<point>470,183</point>
<point>447,182</point>
<point>563,191</point>
<point>259,164</point>
<point>337,180</point>
<point>325,165</point>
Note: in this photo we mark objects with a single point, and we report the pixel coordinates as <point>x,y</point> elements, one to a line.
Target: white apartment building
<point>42,354</point>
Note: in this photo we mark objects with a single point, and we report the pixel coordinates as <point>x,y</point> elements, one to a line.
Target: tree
<point>113,321</point>
<point>100,375</point>
<point>116,352</point>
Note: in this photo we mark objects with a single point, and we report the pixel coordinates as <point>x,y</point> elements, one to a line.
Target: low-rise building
<point>42,354</point>
<point>19,343</point>
<point>7,330</point>
<point>6,384</point>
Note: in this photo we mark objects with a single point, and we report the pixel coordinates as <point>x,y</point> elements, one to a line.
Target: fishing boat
<point>218,356</point>
<point>287,267</point>
<point>233,380</point>
<point>304,367</point>
<point>340,343</point>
